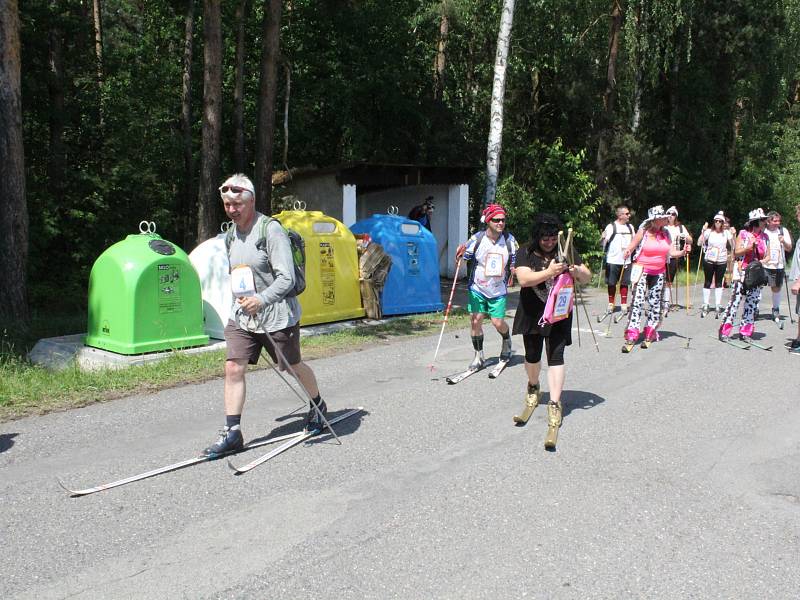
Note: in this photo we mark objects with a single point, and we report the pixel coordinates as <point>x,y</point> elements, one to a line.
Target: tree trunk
<point>794,92</point>
<point>609,97</point>
<point>98,51</point>
<point>439,65</point>
<point>242,10</point>
<point>536,106</point>
<point>736,126</point>
<point>288,70</point>
<point>498,94</point>
<point>673,88</point>
<point>270,47</point>
<point>55,92</point>
<point>638,77</point>
<point>208,199</point>
<point>186,206</point>
<point>13,208</point>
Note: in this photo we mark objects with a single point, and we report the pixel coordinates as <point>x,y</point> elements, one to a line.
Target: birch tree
<point>498,94</point>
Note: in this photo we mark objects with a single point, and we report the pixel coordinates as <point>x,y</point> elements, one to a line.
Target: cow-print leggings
<point>751,299</point>
<point>651,286</point>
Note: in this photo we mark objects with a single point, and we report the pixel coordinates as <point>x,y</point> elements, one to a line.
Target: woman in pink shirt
<point>653,245</point>
<point>751,244</point>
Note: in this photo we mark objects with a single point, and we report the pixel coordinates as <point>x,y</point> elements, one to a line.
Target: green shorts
<point>494,307</point>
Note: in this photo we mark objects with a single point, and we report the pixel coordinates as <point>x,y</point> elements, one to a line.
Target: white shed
<point>353,192</point>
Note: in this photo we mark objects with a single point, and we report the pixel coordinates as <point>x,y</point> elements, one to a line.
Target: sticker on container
<point>169,289</point>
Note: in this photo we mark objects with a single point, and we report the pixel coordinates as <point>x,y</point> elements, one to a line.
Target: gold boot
<point>531,402</point>
<point>553,423</point>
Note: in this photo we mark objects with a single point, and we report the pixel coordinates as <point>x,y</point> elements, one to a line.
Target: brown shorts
<point>247,345</point>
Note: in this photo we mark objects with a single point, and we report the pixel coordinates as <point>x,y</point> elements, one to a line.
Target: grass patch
<point>27,389</point>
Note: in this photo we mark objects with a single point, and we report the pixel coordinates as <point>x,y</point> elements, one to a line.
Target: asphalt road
<point>677,475</point>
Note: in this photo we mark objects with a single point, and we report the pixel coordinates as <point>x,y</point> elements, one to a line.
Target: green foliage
<point>717,128</point>
<point>549,178</point>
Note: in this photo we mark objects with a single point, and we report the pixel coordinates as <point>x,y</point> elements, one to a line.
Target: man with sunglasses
<point>615,238</point>
<point>265,312</point>
<point>490,253</point>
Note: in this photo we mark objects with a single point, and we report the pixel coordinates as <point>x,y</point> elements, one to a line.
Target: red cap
<point>492,211</point>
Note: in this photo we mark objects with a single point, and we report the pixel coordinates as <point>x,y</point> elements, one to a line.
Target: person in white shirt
<point>780,242</point>
<point>615,238</point>
<point>680,239</point>
<point>794,276</point>
<point>717,243</point>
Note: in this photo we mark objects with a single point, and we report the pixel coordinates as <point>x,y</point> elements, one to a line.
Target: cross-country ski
<point>290,443</point>
<point>174,466</point>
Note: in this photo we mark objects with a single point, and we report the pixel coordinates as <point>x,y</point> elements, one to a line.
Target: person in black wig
<point>537,269</point>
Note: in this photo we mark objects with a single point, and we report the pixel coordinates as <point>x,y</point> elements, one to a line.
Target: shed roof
<point>381,175</point>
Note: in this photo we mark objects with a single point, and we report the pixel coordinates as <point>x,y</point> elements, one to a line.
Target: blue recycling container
<point>412,285</point>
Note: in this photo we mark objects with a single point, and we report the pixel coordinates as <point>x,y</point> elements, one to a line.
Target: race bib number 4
<point>242,281</point>
<point>774,252</point>
<point>494,265</point>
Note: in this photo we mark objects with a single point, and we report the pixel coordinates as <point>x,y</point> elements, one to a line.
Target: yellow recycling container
<point>332,290</point>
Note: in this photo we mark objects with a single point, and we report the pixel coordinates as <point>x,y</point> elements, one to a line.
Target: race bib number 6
<point>494,265</point>
<point>242,281</point>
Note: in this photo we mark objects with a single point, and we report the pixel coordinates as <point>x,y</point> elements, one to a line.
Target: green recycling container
<point>144,296</point>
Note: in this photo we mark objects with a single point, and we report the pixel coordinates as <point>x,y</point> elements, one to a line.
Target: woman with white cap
<point>751,245</point>
<point>653,245</point>
<point>680,239</point>
<point>717,243</point>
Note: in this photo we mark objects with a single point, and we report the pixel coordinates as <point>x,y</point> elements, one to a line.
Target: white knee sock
<point>776,300</point>
<point>706,295</point>
<point>718,296</point>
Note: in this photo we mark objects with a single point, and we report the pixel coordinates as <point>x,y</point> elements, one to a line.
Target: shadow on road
<point>342,429</point>
<point>574,400</point>
<point>6,441</point>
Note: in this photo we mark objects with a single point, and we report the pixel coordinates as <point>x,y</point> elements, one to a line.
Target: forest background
<point>136,109</point>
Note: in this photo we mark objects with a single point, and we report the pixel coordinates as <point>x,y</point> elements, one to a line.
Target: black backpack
<point>755,275</point>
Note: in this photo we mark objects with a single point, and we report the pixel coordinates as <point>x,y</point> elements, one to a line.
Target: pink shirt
<point>654,252</point>
<point>760,245</point>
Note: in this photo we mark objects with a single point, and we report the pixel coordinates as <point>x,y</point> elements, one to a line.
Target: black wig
<point>544,225</point>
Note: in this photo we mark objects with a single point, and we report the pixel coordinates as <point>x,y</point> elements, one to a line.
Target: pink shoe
<point>650,334</point>
<point>631,335</point>
<point>725,330</point>
<point>746,330</point>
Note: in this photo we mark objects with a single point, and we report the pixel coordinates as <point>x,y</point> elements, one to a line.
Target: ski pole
<point>447,310</point>
<point>786,285</point>
<point>580,299</point>
<point>600,274</point>
<point>688,295</point>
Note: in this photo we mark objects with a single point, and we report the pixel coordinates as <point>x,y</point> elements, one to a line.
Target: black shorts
<point>247,345</point>
<point>775,277</point>
<point>613,273</point>
<point>672,268</point>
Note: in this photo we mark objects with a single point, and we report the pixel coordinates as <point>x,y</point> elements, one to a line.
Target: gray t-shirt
<point>273,272</point>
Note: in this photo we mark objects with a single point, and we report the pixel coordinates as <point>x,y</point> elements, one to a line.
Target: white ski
<point>292,442</point>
